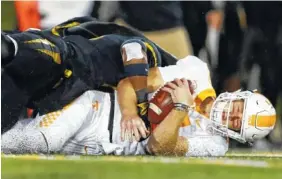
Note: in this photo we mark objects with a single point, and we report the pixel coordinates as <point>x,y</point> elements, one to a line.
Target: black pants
<point>229,47</point>
<point>13,100</point>
<point>27,76</point>
<point>159,14</point>
<point>194,19</point>
<point>263,44</point>
<point>261,47</point>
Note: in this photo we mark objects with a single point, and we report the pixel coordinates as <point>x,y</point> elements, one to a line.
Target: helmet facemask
<point>220,115</point>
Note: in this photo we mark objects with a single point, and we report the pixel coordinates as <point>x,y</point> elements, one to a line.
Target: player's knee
<point>34,142</point>
<point>55,141</point>
<point>20,142</point>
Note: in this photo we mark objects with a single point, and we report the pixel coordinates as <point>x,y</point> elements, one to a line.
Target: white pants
<point>79,128</point>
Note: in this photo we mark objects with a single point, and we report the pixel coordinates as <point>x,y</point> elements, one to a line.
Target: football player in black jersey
<point>48,69</point>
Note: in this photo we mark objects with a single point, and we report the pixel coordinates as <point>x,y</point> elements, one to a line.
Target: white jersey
<point>194,69</point>
<point>82,126</point>
<point>202,140</point>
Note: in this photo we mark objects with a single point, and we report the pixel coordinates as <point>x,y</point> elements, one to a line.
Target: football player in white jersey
<point>83,126</point>
<point>243,115</point>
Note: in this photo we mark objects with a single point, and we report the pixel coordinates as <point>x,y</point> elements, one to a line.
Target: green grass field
<point>110,167</point>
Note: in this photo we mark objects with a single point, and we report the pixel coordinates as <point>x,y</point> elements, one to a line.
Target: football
<point>161,104</point>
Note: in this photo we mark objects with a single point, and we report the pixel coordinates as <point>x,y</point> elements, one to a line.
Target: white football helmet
<point>258,117</point>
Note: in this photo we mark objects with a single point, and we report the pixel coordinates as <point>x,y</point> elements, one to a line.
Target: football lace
<point>155,93</point>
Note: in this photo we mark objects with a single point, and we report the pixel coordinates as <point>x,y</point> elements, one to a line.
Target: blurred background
<point>240,40</point>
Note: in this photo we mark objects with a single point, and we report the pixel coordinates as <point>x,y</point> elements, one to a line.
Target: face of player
<point>235,116</point>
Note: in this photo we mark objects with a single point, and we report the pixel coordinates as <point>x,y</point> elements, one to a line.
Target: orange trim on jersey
<point>28,15</point>
<point>262,121</point>
<point>202,96</point>
<point>68,105</point>
<point>49,118</point>
<point>205,94</point>
<point>186,122</point>
<point>95,105</point>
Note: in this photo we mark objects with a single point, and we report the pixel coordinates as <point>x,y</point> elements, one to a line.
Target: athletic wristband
<point>182,107</point>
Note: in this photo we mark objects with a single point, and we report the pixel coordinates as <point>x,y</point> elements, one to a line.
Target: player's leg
<point>48,133</point>
<point>60,126</point>
<point>23,138</point>
<point>13,101</point>
<point>33,70</point>
<point>37,62</point>
<point>23,141</point>
<point>95,134</point>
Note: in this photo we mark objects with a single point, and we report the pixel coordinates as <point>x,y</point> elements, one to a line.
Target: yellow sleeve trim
<point>205,94</point>
<point>151,49</point>
<point>54,55</point>
<point>56,28</point>
<point>44,41</point>
<point>202,96</point>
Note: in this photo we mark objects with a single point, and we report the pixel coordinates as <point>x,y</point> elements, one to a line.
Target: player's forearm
<point>126,98</point>
<point>165,139</point>
<point>155,80</point>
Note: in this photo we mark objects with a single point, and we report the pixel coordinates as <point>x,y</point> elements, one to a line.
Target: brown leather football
<point>161,104</point>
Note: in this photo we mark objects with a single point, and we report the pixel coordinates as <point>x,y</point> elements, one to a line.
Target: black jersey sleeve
<point>60,29</point>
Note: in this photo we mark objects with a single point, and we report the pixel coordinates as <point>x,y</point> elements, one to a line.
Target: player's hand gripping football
<point>133,128</point>
<point>180,92</point>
